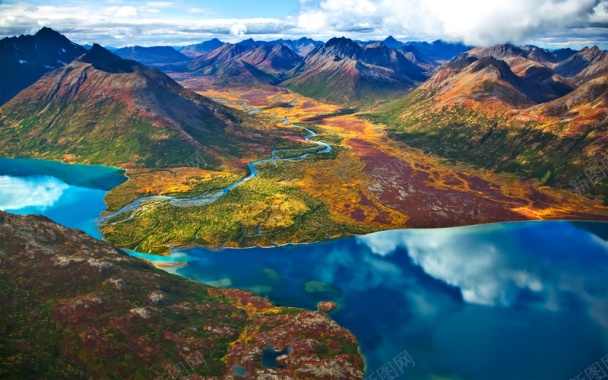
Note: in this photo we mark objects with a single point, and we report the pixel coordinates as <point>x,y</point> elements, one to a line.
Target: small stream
<point>213,195</point>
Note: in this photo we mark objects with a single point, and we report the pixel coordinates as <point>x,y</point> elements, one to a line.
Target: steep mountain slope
<point>417,58</point>
<point>378,54</point>
<point>228,68</point>
<point>193,51</point>
<point>342,71</point>
<point>156,56</point>
<point>491,78</point>
<point>564,53</point>
<point>525,59</point>
<point>505,52</point>
<point>24,59</point>
<point>275,60</point>
<point>104,109</point>
<point>302,47</point>
<point>584,65</point>
<point>392,43</point>
<point>75,307</point>
<point>579,66</point>
<point>212,61</point>
<point>439,51</point>
<point>480,112</point>
<point>540,55</point>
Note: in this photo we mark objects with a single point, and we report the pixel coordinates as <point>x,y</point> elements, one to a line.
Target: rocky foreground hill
<point>78,308</point>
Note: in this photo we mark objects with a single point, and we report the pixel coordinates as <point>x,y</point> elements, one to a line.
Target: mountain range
<point>340,70</point>
<point>155,56</point>
<point>241,66</point>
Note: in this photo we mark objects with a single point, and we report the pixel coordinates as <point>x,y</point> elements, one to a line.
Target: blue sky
<point>550,23</point>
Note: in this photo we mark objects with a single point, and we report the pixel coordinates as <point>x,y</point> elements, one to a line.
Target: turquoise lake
<point>504,301</point>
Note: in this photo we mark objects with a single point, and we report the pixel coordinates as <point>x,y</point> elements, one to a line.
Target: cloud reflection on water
<point>39,191</point>
<point>508,265</point>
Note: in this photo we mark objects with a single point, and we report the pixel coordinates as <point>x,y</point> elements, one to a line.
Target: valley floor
<point>368,183</point>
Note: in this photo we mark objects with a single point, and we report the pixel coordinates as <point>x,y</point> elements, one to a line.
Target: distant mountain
<point>488,77</point>
<point>504,52</point>
<point>582,104</point>
<point>584,65</point>
<point>439,50</point>
<point>539,55</point>
<point>417,58</point>
<point>341,71</point>
<point>239,65</point>
<point>378,54</point>
<point>562,54</point>
<point>24,59</point>
<point>156,56</point>
<point>74,307</point>
<point>392,43</point>
<point>302,47</point>
<point>107,110</point>
<point>193,51</point>
<point>110,48</point>
<point>210,62</point>
<point>275,60</point>
<point>516,57</point>
<point>250,43</point>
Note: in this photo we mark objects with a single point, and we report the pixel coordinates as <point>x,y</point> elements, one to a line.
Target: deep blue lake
<point>503,301</point>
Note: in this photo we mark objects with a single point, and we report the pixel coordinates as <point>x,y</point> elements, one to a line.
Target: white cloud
<point>125,12</point>
<point>477,22</point>
<point>198,10</point>
<point>17,193</point>
<point>238,29</point>
<point>160,4</point>
<point>600,13</point>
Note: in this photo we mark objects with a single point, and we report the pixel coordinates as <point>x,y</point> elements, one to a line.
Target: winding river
<point>208,197</point>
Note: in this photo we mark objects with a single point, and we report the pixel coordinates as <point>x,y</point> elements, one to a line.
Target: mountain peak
<point>461,61</point>
<point>102,59</point>
<point>24,59</point>
<point>502,51</point>
<point>392,43</point>
<point>343,47</point>
<point>340,41</point>
<point>485,62</point>
<point>98,51</point>
<point>46,31</point>
<point>250,42</point>
<point>377,45</point>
